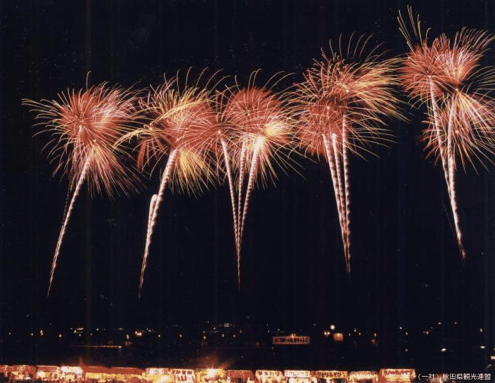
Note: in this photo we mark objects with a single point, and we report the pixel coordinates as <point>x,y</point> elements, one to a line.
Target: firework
<point>182,127</point>
<point>257,129</point>
<point>341,106</point>
<point>85,127</point>
<point>444,75</point>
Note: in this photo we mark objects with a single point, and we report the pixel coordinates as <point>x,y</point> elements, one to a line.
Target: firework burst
<point>257,128</point>
<point>341,106</point>
<point>85,127</point>
<point>182,128</point>
<point>444,75</point>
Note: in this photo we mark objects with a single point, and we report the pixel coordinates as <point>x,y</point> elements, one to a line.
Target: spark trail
<point>156,200</point>
<point>68,214</point>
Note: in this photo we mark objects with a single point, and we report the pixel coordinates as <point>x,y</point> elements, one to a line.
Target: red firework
<point>443,75</point>
<point>341,106</point>
<point>182,125</point>
<point>257,129</point>
<point>85,127</point>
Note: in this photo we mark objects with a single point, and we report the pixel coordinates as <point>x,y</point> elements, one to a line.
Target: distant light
<point>204,337</point>
<point>332,327</point>
<point>326,333</point>
<point>138,333</point>
<point>439,323</point>
<point>455,323</point>
<point>127,336</point>
<point>180,335</point>
<point>338,337</point>
<point>360,334</point>
<point>482,347</point>
<point>233,335</point>
<point>400,328</point>
<point>32,334</point>
<point>481,330</point>
<point>443,349</point>
<point>406,350</point>
<point>240,331</point>
<point>492,357</point>
<point>59,336</point>
<point>41,332</point>
<point>159,335</point>
<point>355,330</point>
<point>407,334</point>
<point>223,335</point>
<point>10,334</point>
<point>375,335</point>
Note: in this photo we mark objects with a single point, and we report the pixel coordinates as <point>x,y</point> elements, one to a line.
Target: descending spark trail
<point>347,192</point>
<point>156,200</point>
<point>451,185</point>
<point>447,157</point>
<point>235,213</point>
<point>331,155</point>
<point>240,213</point>
<point>340,187</point>
<point>443,74</point>
<point>253,168</point>
<point>77,189</point>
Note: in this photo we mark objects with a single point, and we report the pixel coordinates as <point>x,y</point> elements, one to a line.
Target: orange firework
<point>85,127</point>
<point>341,106</point>
<point>443,76</point>
<point>182,125</point>
<point>258,129</point>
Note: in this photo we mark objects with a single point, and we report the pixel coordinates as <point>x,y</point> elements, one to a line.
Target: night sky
<point>406,266</point>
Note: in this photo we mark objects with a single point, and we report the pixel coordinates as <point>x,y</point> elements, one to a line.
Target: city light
<point>338,337</point>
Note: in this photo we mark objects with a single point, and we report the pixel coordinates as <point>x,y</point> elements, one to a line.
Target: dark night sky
<point>406,266</point>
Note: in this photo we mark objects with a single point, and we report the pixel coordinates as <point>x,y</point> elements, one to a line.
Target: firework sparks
<point>259,128</point>
<point>183,126</point>
<point>85,127</point>
<point>341,106</point>
<point>443,75</point>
